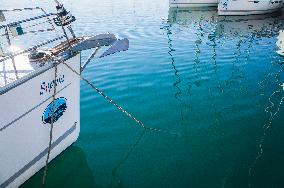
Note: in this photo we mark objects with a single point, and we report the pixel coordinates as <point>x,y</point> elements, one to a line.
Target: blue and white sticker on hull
<point>60,108</point>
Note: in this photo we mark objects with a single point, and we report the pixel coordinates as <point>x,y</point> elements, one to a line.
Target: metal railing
<point>31,48</point>
<point>6,27</point>
<point>27,20</point>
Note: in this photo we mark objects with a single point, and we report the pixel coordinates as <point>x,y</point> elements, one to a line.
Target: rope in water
<point>107,98</point>
<point>51,130</point>
<point>117,106</point>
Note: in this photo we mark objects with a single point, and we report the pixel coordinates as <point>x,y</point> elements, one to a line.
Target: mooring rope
<point>130,151</point>
<point>51,129</point>
<point>140,123</point>
<point>102,94</point>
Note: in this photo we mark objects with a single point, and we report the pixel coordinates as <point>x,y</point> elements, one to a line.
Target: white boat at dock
<point>248,7</point>
<point>40,89</point>
<point>194,3</point>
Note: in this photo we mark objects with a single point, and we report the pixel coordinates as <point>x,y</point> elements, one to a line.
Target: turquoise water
<point>214,80</point>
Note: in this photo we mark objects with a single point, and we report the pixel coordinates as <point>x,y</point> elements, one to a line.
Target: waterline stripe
<point>4,127</point>
<point>176,3</point>
<point>266,10</point>
<point>39,157</point>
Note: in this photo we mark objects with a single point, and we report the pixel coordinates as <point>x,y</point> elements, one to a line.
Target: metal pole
<point>9,43</point>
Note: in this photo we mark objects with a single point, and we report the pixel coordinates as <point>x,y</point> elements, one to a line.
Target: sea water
<point>214,80</point>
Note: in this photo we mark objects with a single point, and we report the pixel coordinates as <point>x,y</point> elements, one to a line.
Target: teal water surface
<point>214,80</point>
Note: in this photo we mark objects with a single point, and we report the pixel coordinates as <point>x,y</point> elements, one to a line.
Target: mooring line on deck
<point>117,106</point>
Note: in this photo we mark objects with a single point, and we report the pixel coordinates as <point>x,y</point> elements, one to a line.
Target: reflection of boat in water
<point>245,7</point>
<point>245,42</point>
<point>200,26</point>
<point>194,3</point>
<point>187,16</point>
<point>244,28</point>
<point>252,25</point>
<point>238,32</point>
<point>280,43</point>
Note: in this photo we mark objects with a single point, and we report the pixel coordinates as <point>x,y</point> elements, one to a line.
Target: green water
<point>215,80</point>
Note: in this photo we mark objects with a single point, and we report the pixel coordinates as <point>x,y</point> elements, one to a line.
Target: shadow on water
<point>70,169</point>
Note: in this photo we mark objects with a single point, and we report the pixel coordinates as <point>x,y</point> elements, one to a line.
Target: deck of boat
<point>23,67</point>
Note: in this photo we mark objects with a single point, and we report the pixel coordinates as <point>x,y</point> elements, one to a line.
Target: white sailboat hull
<point>248,7</point>
<point>25,128</point>
<point>194,3</point>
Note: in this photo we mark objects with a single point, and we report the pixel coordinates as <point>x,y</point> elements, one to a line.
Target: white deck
<point>23,67</point>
